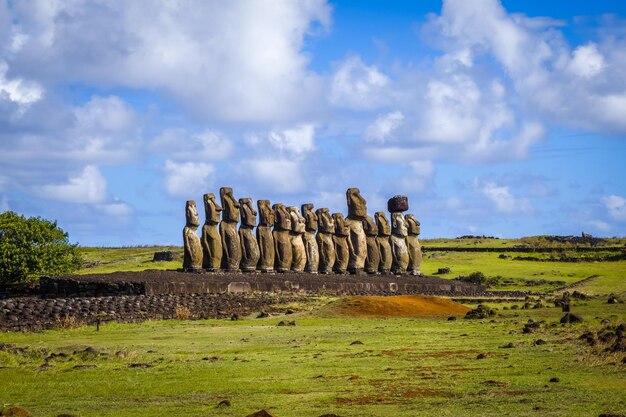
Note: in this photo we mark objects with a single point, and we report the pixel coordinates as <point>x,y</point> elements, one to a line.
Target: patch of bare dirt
<point>395,306</point>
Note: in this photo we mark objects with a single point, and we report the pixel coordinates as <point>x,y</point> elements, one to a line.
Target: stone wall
<point>172,282</point>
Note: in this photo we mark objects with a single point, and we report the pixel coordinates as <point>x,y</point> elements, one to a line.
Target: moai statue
<point>228,229</point>
<point>357,243</point>
<point>340,238</point>
<point>298,252</point>
<point>192,259</point>
<point>249,247</point>
<point>282,240</point>
<point>264,236</point>
<point>325,243</point>
<point>310,245</point>
<point>211,238</point>
<point>399,248</point>
<point>372,262</point>
<point>413,244</point>
<point>384,247</point>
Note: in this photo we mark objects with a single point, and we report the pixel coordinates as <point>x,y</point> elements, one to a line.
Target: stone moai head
<point>230,205</point>
<point>297,221</point>
<point>310,218</point>
<point>413,225</point>
<point>248,213</point>
<point>282,219</point>
<point>191,214</point>
<point>211,209</point>
<point>398,225</point>
<point>382,223</point>
<point>369,226</point>
<point>326,223</point>
<point>357,208</point>
<point>266,214</point>
<point>341,229</point>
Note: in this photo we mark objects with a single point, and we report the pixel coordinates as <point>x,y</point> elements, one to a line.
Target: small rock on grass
<point>224,403</point>
<point>260,413</point>
<point>16,412</point>
<point>356,342</point>
<point>555,379</point>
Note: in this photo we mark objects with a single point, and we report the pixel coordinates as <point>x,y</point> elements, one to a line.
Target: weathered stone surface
<point>413,245</point>
<point>372,261</point>
<point>340,239</point>
<point>357,244</point>
<point>325,242</point>
<point>399,249</point>
<point>192,258</point>
<point>282,239</point>
<point>298,252</point>
<point>249,247</point>
<point>211,238</point>
<point>264,236</point>
<point>397,203</point>
<point>384,247</point>
<point>310,244</point>
<point>231,243</point>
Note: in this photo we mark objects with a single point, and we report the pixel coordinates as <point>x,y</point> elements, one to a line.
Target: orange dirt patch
<point>396,306</point>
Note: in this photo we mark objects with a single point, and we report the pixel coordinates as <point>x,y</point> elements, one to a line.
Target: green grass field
<point>404,367</point>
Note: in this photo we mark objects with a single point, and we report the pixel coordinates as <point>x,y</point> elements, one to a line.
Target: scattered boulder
<point>260,413</point>
<point>480,312</point>
<point>613,299</point>
<point>16,412</point>
<point>286,323</point>
<point>611,415</point>
<point>444,270</point>
<point>481,356</point>
<point>356,342</point>
<point>224,403</point>
<point>262,315</point>
<point>540,342</point>
<point>451,318</point>
<point>571,318</point>
<point>579,295</point>
<point>555,379</point>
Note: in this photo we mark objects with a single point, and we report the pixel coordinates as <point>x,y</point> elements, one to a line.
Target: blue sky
<point>498,118</point>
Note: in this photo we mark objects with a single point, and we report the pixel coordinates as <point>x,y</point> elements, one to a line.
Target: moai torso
<point>249,247</point>
<point>264,236</point>
<point>282,238</point>
<point>310,244</point>
<point>340,238</point>
<point>211,238</point>
<point>372,261</point>
<point>325,243</point>
<point>192,258</point>
<point>398,243</point>
<point>357,243</point>
<point>298,252</point>
<point>384,231</point>
<point>228,229</point>
<point>413,245</point>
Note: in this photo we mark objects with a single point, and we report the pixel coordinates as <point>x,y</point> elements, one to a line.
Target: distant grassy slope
<point>137,258</point>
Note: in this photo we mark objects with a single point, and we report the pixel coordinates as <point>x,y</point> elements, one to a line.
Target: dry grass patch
<point>395,306</point>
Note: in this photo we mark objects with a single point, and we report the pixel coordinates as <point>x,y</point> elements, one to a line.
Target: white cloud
<point>116,209</point>
<point>600,225</point>
<point>278,175</point>
<point>419,176</point>
<point>586,61</point>
<point>501,196</point>
<point>17,89</point>
<point>234,60</point>
<point>384,126</point>
<point>616,206</point>
<point>188,179</point>
<point>358,86</point>
<point>298,140</point>
<point>87,188</point>
<point>182,145</point>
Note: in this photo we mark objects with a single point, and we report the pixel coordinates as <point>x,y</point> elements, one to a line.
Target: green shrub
<point>30,247</point>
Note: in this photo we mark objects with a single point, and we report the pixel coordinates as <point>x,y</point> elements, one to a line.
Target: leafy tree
<point>30,247</point>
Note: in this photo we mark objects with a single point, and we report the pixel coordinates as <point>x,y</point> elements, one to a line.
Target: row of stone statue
<point>288,239</point>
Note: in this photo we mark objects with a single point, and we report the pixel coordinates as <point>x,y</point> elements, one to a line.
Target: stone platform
<point>174,282</point>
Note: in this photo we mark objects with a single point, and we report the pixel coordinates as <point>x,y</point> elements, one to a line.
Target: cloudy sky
<point>498,118</point>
